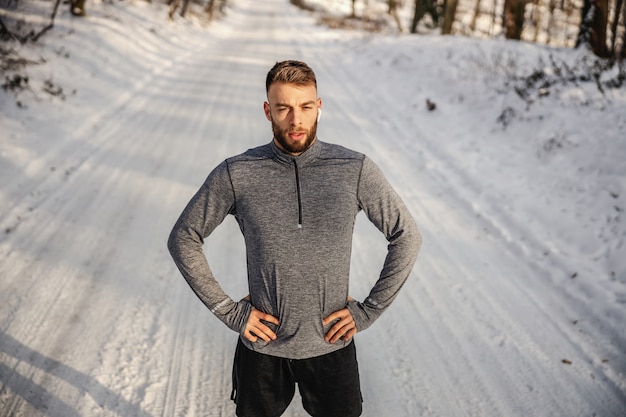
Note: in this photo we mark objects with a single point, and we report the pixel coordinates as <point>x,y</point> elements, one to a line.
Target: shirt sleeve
<point>206,210</point>
<point>386,210</point>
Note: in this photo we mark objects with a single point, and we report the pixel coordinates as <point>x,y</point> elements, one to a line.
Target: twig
<point>4,31</point>
<point>51,24</point>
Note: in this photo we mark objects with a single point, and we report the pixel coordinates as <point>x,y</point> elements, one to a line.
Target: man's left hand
<point>344,329</point>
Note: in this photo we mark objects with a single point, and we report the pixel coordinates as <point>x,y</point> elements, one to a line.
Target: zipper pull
<point>295,165</point>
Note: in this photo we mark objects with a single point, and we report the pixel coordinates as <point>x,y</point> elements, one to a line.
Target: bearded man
<point>296,200</point>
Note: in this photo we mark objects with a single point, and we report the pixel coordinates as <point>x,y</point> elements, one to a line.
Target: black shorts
<point>263,385</point>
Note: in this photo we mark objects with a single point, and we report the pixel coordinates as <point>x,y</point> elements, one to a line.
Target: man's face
<point>292,109</point>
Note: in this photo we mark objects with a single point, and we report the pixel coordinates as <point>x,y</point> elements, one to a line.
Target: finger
<point>259,328</point>
<point>264,336</point>
<point>258,315</point>
<point>332,336</point>
<point>339,329</point>
<point>337,315</point>
<point>349,335</point>
<point>339,332</point>
<point>259,331</point>
<point>268,318</point>
<point>250,336</point>
<point>265,332</point>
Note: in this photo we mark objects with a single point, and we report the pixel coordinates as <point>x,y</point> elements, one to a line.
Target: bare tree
<point>209,8</point>
<point>6,33</point>
<point>493,17</point>
<point>622,55</point>
<point>552,7</point>
<point>183,10</point>
<point>584,32</point>
<point>421,9</point>
<point>173,7</point>
<point>600,23</point>
<point>393,12</point>
<point>536,19</point>
<point>475,17</point>
<point>449,15</point>
<point>593,26</point>
<point>614,26</point>
<point>514,18</point>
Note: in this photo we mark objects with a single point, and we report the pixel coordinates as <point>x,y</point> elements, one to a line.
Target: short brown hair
<point>292,72</point>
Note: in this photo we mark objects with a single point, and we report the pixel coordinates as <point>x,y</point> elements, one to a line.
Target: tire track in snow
<point>52,169</point>
<point>66,203</point>
<point>73,211</point>
<point>176,398</point>
<point>175,401</point>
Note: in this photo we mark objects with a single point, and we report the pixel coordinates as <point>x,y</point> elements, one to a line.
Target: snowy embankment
<point>516,305</point>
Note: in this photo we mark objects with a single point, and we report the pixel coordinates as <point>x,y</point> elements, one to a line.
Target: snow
<point>517,303</point>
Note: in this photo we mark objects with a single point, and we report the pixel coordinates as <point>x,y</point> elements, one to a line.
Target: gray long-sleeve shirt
<point>297,217</point>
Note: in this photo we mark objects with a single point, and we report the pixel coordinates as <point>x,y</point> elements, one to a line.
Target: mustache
<point>297,130</point>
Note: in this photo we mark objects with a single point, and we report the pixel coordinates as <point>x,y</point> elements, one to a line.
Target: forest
<point>594,24</point>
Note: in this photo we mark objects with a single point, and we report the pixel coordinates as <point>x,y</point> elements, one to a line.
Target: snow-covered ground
<point>517,303</point>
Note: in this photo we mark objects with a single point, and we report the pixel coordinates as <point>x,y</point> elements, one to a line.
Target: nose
<point>296,117</point>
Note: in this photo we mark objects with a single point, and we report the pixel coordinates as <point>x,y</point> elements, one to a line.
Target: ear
<point>266,109</point>
<point>319,109</point>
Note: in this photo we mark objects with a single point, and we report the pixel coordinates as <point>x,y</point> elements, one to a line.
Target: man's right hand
<point>255,328</point>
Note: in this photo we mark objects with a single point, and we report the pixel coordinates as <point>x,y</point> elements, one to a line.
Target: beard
<point>288,145</point>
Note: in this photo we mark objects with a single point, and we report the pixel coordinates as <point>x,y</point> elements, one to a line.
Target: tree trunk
<point>493,17</point>
<point>615,25</point>
<point>593,26</point>
<point>393,12</point>
<point>183,10</point>
<point>622,55</point>
<point>173,7</point>
<point>551,21</point>
<point>514,18</point>
<point>418,13</point>
<point>208,8</point>
<point>598,29</point>
<point>475,17</point>
<point>586,15</point>
<point>449,15</point>
<point>535,17</point>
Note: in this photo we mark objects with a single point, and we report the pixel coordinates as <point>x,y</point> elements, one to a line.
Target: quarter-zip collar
<point>297,162</point>
<point>303,159</point>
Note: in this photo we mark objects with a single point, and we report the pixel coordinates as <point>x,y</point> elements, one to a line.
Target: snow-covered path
<point>96,321</point>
